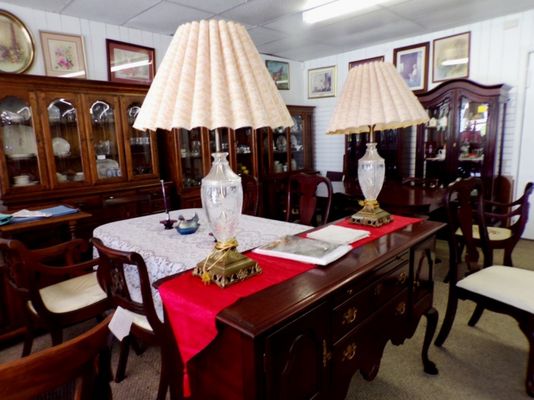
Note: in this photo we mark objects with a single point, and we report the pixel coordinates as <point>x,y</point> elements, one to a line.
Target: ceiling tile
<point>45,5</point>
<point>166,18</point>
<point>261,35</point>
<point>258,12</point>
<point>102,11</point>
<point>212,6</point>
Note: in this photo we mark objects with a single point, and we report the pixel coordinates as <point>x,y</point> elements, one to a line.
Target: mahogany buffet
<point>305,337</point>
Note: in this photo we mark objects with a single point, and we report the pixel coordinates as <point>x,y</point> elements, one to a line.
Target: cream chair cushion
<point>509,285</point>
<point>494,233</point>
<point>72,294</point>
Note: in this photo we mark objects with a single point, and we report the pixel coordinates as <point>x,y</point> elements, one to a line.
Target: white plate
<point>20,156</point>
<point>25,184</point>
<point>60,146</point>
<point>19,139</point>
<point>103,166</point>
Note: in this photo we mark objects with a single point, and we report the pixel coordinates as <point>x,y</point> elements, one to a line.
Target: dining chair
<point>54,287</point>
<point>146,324</point>
<point>302,202</point>
<point>428,183</point>
<point>251,194</point>
<point>503,289</point>
<point>79,368</point>
<point>334,176</point>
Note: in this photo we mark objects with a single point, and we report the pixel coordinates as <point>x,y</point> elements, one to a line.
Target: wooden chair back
<point>302,190</point>
<point>84,359</point>
<point>112,264</point>
<point>334,176</point>
<point>251,194</point>
<point>427,183</point>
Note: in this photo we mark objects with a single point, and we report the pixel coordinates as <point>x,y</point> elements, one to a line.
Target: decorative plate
<point>60,146</point>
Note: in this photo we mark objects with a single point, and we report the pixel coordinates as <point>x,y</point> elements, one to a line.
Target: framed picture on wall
<point>412,64</point>
<point>279,71</point>
<point>130,63</point>
<point>63,55</point>
<point>365,61</point>
<point>16,43</point>
<point>322,82</point>
<point>451,57</point>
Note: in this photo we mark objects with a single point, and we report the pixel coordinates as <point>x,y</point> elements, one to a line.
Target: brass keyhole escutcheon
<point>349,352</point>
<point>402,277</point>
<point>400,309</point>
<point>350,315</point>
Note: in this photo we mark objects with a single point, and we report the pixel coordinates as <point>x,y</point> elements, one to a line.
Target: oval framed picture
<point>16,44</point>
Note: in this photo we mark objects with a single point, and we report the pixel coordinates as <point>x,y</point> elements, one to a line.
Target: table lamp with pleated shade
<point>212,76</point>
<point>374,98</point>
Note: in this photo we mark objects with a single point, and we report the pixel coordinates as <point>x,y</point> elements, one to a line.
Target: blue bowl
<point>187,231</point>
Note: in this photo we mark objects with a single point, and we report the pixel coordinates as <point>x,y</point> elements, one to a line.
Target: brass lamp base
<point>371,214</point>
<point>226,266</point>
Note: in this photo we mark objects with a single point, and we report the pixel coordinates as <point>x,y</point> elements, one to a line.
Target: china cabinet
<point>465,126</point>
<point>270,155</point>
<point>71,141</point>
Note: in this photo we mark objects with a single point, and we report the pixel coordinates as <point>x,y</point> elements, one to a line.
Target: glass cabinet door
<point>436,136</point>
<point>62,125</point>
<point>191,157</point>
<point>139,142</point>
<point>297,143</point>
<point>473,136</point>
<point>280,152</point>
<point>19,143</point>
<point>105,139</point>
<point>243,139</point>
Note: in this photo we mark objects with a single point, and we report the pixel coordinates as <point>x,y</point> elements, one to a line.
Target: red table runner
<point>192,306</point>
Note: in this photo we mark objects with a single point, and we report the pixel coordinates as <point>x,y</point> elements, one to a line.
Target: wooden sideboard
<point>306,337</point>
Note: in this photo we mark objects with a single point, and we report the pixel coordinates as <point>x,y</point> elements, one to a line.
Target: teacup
<point>21,179</point>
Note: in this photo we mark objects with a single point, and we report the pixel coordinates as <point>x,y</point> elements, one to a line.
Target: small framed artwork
<point>412,64</point>
<point>365,61</point>
<point>279,70</point>
<point>451,57</point>
<point>63,55</point>
<point>322,82</point>
<point>130,63</point>
<point>16,44</point>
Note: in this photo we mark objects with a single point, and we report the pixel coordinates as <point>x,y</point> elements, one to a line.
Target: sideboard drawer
<point>351,309</point>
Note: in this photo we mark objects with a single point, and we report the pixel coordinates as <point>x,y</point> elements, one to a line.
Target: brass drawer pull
<point>349,352</point>
<point>327,356</point>
<point>402,278</point>
<point>400,309</point>
<point>350,315</point>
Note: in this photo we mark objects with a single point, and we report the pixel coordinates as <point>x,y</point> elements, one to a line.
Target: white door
<point>526,161</point>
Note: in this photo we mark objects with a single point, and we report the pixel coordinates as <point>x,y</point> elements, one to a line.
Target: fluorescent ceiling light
<point>141,63</point>
<point>337,8</point>
<point>456,61</point>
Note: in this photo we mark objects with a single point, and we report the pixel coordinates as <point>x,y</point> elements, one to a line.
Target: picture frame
<point>17,42</point>
<point>279,71</point>
<point>451,57</point>
<point>130,63</point>
<point>63,55</point>
<point>365,61</point>
<point>322,82</point>
<point>412,64</point>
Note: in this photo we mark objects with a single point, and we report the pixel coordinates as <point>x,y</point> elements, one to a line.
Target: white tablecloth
<point>166,252</point>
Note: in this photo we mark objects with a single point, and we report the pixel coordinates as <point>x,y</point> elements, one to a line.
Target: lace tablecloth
<point>166,252</point>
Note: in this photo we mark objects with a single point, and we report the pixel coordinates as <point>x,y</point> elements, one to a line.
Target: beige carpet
<point>485,362</point>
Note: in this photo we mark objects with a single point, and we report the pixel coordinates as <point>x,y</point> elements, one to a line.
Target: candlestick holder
<point>168,223</point>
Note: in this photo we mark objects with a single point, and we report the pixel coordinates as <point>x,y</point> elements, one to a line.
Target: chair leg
<point>28,342</point>
<point>452,305</point>
<point>57,336</point>
<point>476,315</point>
<point>432,321</point>
<point>123,359</point>
<point>163,376</point>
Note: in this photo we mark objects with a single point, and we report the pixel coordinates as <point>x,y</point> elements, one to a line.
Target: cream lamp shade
<point>212,76</point>
<point>374,97</point>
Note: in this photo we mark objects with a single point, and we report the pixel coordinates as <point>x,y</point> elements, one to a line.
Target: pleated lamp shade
<point>212,76</point>
<point>375,95</point>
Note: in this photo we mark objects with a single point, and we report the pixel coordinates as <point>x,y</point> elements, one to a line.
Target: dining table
<point>166,252</point>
